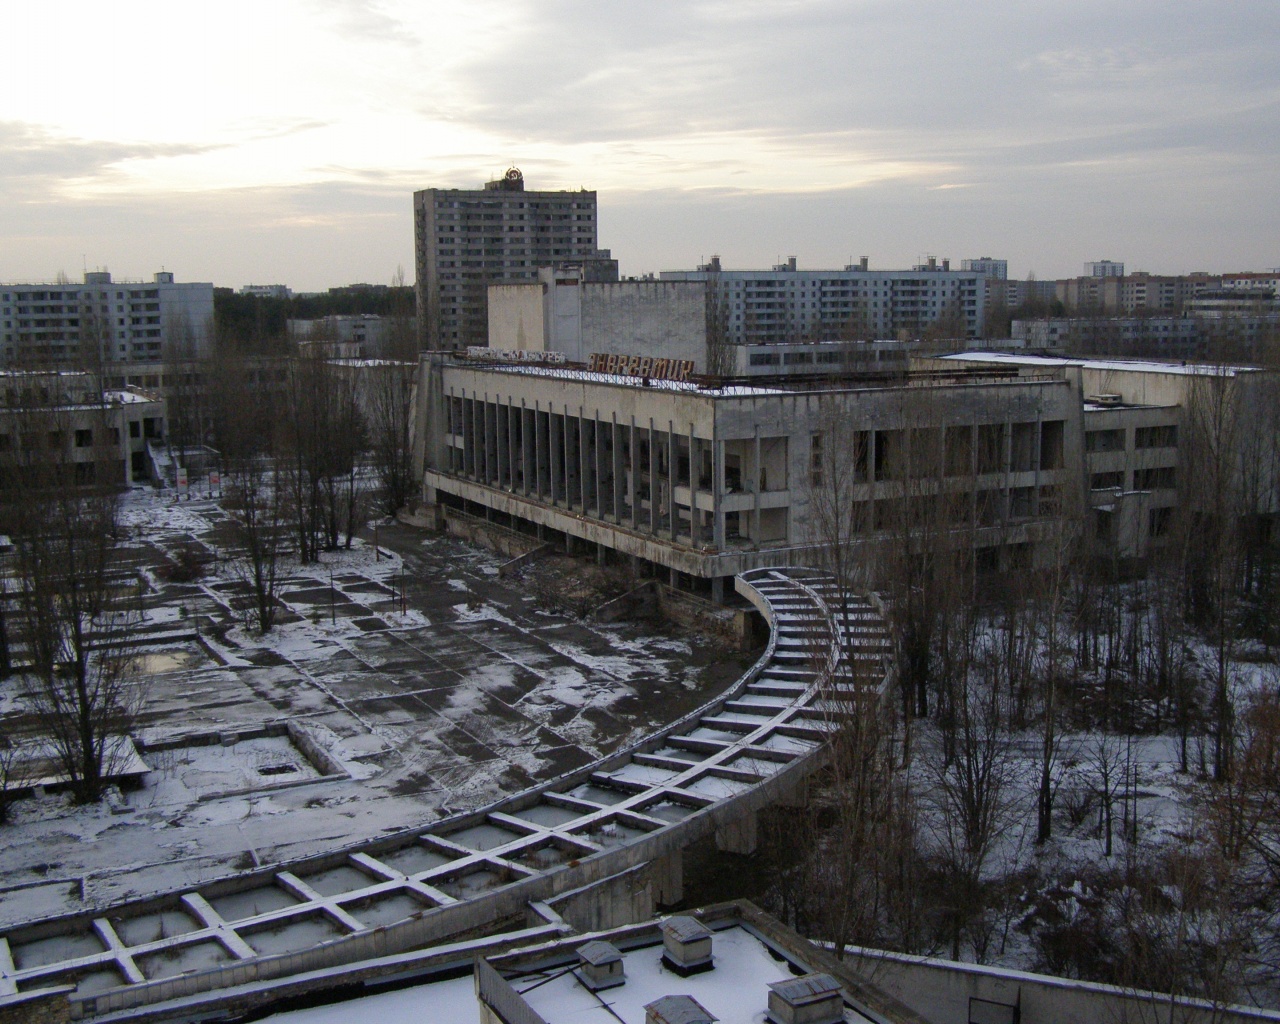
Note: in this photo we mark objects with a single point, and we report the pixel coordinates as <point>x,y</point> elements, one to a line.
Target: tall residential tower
<point>467,239</point>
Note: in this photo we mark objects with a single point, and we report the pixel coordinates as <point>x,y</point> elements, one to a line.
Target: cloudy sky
<point>280,140</point>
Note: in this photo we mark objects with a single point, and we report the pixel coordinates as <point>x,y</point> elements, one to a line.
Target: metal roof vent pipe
<point>809,999</point>
<point>678,1010</point>
<point>600,966</point>
<point>686,946</point>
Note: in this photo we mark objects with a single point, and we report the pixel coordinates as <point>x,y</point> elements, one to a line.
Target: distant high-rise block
<point>468,239</point>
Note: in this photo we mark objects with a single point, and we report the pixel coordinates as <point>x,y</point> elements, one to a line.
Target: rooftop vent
<point>600,965</point>
<point>678,1010</point>
<point>686,946</point>
<point>810,999</point>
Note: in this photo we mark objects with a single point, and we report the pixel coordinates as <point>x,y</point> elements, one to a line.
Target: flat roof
<point>1130,365</point>
<point>625,380</point>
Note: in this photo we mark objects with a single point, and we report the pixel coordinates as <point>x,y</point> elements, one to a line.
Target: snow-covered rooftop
<point>623,380</point>
<point>736,990</point>
<point>1130,365</point>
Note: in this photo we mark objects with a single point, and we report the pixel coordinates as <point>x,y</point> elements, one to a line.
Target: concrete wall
<point>663,319</point>
<point>940,990</point>
<point>515,317</point>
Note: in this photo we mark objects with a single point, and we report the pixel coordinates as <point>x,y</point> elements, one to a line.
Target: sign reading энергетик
<point>641,366</point>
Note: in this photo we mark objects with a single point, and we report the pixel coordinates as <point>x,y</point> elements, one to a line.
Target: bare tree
<point>255,495</point>
<point>389,400</point>
<point>72,627</point>
<point>972,791</point>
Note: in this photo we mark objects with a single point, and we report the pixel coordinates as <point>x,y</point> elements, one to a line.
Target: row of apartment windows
<point>1112,440</point>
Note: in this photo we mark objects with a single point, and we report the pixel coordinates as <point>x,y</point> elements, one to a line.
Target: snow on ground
<point>469,694</point>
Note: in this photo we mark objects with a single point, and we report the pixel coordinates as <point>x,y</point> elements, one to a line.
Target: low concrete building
<point>52,418</point>
<point>704,480</point>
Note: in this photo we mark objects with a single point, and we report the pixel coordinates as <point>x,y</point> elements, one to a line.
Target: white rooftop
<point>736,990</point>
<point>656,383</point>
<point>1130,365</point>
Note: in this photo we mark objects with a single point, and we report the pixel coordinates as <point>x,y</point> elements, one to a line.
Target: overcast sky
<point>280,140</point>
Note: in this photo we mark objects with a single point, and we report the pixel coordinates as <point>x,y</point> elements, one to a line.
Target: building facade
<point>564,311</point>
<point>706,481</point>
<point>54,421</point>
<point>467,239</point>
<point>994,269</point>
<point>787,304</point>
<point>101,322</point>
<point>354,336</point>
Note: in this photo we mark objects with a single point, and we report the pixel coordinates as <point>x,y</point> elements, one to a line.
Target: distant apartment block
<point>787,305</point>
<point>267,291</point>
<point>988,267</point>
<point>101,322</point>
<point>347,337</point>
<point>1104,268</point>
<point>468,239</point>
<point>1203,335</point>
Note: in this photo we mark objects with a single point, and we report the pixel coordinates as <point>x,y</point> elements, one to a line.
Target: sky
<point>280,141</point>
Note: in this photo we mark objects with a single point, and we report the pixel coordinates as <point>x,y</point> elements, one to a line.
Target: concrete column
<point>465,430</point>
<point>584,463</point>
<point>673,454</point>
<point>555,452</point>
<point>634,482</point>
<point>717,589</point>
<point>755,489</point>
<point>667,878</point>
<point>618,481</point>
<point>511,412</point>
<point>566,461</point>
<point>598,474</point>
<point>540,453</point>
<point>485,435</point>
<point>739,836</point>
<point>501,444</point>
<point>653,478</point>
<point>602,554</point>
<point>717,494</point>
<point>528,446</point>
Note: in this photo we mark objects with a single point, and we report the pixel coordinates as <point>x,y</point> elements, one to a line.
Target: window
<point>1158,521</point>
<point>1162,477</point>
<point>1105,481</point>
<point>1051,434</point>
<point>1104,440</point>
<point>815,460</point>
<point>84,438</point>
<point>135,429</point>
<point>1156,437</point>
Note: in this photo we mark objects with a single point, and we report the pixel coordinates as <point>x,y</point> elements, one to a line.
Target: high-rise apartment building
<point>102,322</point>
<point>1104,268</point>
<point>467,239</point>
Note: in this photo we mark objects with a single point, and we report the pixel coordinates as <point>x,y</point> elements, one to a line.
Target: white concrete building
<point>101,322</point>
<point>1104,268</point>
<point>267,291</point>
<point>703,481</point>
<point>787,304</point>
<point>993,269</point>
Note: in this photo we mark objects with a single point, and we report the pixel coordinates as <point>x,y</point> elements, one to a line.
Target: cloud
<point>367,20</point>
<point>35,161</point>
